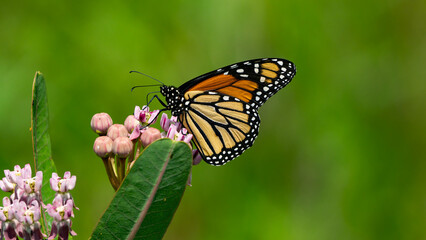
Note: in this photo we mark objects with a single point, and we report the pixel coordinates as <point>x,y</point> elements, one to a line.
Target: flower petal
<point>71,183</point>
<point>137,112</point>
<point>165,122</point>
<point>38,181</point>
<point>153,117</point>
<point>187,138</point>
<point>135,134</point>
<point>26,171</point>
<point>171,132</point>
<point>54,184</point>
<point>55,175</point>
<point>5,185</point>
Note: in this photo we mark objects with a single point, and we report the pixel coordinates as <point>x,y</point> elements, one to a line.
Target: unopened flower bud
<point>117,130</point>
<point>149,136</point>
<point>130,123</point>
<point>122,146</point>
<point>102,146</point>
<point>100,123</point>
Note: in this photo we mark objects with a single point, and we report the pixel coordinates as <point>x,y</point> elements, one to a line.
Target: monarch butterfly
<point>220,108</point>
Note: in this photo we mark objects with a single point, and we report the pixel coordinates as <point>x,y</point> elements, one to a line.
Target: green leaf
<point>145,203</point>
<point>41,140</point>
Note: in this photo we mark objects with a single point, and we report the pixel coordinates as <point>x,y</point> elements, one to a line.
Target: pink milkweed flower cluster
<point>21,183</point>
<point>173,129</point>
<point>21,212</point>
<point>119,145</point>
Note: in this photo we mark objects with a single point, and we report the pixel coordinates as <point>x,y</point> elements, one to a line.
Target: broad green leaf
<point>145,203</point>
<point>41,139</point>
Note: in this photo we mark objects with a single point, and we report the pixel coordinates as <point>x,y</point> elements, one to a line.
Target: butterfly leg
<point>147,96</point>
<point>161,102</point>
<point>149,102</point>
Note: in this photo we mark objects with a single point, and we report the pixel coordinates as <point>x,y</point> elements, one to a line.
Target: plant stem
<point>109,167</point>
<point>121,169</point>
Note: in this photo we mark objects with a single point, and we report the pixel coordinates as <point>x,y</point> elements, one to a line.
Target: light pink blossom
<point>6,212</point>
<point>63,185</point>
<point>145,118</point>
<point>61,214</point>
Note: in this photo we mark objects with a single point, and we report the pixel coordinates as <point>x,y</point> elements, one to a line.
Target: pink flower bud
<point>100,123</point>
<point>117,130</point>
<point>102,146</point>
<point>130,123</point>
<point>122,146</point>
<point>149,136</point>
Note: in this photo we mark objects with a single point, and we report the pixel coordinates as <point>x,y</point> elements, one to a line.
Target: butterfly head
<point>174,99</point>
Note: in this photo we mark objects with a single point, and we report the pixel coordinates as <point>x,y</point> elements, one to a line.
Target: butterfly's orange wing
<point>220,107</point>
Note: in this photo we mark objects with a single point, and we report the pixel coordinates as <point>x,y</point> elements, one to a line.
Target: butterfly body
<point>220,108</point>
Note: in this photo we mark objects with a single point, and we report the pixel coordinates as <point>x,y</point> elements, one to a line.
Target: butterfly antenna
<point>145,86</point>
<point>147,76</point>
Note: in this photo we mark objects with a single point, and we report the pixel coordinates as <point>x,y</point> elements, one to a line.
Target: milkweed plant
<point>148,168</point>
<point>119,145</point>
<point>21,212</point>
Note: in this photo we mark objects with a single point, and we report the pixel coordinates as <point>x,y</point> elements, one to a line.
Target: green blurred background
<point>341,151</point>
